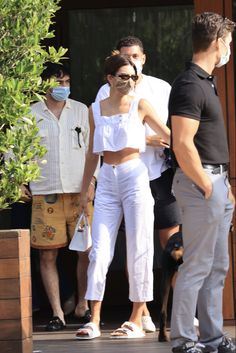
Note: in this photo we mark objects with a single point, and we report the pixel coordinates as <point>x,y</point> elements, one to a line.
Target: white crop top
<point>116,132</point>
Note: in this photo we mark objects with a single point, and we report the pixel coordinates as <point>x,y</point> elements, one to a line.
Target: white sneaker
<point>148,325</point>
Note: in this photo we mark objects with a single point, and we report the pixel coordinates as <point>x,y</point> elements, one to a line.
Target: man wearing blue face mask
<point>64,130</point>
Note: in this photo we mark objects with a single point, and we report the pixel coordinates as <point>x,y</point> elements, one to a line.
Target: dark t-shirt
<point>194,96</point>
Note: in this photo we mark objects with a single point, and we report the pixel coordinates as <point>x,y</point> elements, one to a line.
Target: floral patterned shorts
<point>54,219</point>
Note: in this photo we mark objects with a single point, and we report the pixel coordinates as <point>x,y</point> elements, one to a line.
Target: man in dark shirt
<point>199,146</point>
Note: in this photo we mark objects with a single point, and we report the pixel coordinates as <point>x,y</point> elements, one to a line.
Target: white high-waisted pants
<point>123,189</point>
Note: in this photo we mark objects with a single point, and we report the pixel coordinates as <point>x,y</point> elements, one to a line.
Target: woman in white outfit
<point>117,132</point>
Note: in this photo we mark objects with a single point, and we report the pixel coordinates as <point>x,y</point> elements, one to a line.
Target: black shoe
<point>84,319</point>
<point>226,346</point>
<point>87,316</point>
<point>55,324</point>
<point>188,347</point>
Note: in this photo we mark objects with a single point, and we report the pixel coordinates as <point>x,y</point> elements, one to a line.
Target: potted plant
<point>24,25</point>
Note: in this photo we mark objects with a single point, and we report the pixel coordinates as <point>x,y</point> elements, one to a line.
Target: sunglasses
<point>126,77</point>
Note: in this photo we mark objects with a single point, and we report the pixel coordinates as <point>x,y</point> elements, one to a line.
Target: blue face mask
<point>60,93</point>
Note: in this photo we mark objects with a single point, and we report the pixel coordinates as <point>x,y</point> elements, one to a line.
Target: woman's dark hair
<point>207,27</point>
<point>114,62</point>
<point>55,70</point>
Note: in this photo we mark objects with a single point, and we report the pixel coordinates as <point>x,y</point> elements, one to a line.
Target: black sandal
<point>55,324</point>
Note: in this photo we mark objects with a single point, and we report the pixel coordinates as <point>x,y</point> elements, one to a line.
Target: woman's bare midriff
<point>120,156</point>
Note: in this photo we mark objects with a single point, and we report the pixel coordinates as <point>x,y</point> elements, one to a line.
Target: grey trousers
<point>201,277</point>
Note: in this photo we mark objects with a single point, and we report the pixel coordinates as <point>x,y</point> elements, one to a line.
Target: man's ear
<point>216,43</point>
<point>144,59</point>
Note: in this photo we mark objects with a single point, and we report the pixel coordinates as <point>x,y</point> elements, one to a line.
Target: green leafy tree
<point>24,25</point>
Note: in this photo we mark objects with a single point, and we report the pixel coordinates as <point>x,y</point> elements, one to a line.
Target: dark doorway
<point>93,33</point>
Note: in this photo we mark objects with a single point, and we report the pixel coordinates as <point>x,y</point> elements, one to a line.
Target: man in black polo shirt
<point>200,151</point>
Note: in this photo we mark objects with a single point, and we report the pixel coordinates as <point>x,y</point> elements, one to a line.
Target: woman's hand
<point>156,141</point>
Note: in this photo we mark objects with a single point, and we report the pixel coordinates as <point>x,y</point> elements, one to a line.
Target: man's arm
<point>183,131</point>
<point>91,158</point>
<point>91,188</point>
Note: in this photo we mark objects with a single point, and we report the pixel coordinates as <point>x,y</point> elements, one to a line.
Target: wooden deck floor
<point>65,341</point>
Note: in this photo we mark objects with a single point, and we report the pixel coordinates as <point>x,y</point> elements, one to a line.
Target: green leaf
<point>24,24</point>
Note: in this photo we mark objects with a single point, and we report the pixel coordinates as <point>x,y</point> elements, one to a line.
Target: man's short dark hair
<point>207,27</point>
<point>129,41</point>
<point>55,70</point>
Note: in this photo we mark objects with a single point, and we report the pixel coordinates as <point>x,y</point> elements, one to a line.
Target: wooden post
<point>15,292</point>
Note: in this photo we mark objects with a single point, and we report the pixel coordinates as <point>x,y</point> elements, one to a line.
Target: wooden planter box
<point>15,292</point>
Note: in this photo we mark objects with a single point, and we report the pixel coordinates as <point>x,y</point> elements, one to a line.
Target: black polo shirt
<point>194,96</point>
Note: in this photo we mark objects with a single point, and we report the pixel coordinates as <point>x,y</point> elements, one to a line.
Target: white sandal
<point>128,330</point>
<point>88,332</point>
